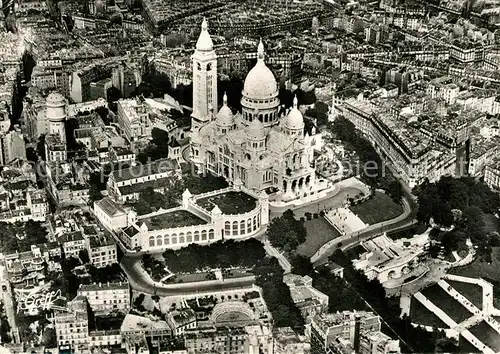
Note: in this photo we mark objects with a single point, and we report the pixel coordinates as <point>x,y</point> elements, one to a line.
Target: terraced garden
<point>472,292</point>
<point>445,302</point>
<point>419,314</point>
<point>486,334</point>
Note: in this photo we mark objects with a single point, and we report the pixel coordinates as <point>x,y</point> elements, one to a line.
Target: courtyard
<point>377,209</point>
<point>177,218</point>
<point>229,203</point>
<point>319,232</point>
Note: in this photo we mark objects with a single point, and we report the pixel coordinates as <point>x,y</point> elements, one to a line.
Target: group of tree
<point>245,254</point>
<point>4,325</point>
<point>157,149</point>
<point>21,236</point>
<point>154,267</point>
<point>285,232</point>
<point>371,168</point>
<point>276,294</point>
<point>69,282</point>
<point>463,202</point>
<point>320,112</point>
<point>220,254</point>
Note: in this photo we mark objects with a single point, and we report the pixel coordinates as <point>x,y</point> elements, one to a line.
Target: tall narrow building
<point>204,79</point>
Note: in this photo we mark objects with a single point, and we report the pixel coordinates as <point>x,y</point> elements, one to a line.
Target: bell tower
<point>204,79</point>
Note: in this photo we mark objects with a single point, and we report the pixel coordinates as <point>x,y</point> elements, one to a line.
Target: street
<point>404,220</point>
<point>141,282</point>
<point>10,311</point>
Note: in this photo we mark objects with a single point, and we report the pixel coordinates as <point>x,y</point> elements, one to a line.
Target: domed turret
<point>56,114</point>
<point>260,91</point>
<point>294,122</point>
<point>225,118</point>
<point>56,107</point>
<point>204,42</point>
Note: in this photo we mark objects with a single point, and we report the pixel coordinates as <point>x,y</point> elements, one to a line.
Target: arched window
<point>198,66</point>
<point>166,240</point>
<point>174,239</point>
<point>235,228</point>
<point>189,237</point>
<point>255,223</point>
<point>227,228</point>
<point>196,236</point>
<point>266,117</point>
<point>151,241</point>
<point>249,225</point>
<point>181,237</point>
<point>260,117</point>
<point>204,235</point>
<point>211,234</point>
<point>242,227</point>
<point>159,240</point>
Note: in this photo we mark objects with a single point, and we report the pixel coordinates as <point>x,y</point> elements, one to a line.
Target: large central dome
<point>260,82</point>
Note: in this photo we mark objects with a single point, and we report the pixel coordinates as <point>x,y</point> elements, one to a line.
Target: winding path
<point>407,218</point>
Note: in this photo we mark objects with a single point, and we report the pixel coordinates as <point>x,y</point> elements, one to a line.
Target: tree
<point>84,256</point>
<point>286,232</point>
<point>301,265</point>
<point>40,147</point>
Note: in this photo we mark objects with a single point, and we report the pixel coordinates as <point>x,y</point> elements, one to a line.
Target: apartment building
<point>133,119</point>
<point>126,184</point>
<point>105,298</point>
<point>72,326</point>
<point>361,330</point>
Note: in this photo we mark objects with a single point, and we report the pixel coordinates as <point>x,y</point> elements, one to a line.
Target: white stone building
<point>104,298</point>
<point>259,146</point>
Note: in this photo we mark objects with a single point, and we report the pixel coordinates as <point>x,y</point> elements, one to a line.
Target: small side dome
<point>294,120</point>
<point>225,116</point>
<point>255,130</point>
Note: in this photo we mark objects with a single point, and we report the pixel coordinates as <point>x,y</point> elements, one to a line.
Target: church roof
<point>260,82</point>
<point>204,42</point>
<point>294,120</point>
<point>225,116</point>
<point>255,130</point>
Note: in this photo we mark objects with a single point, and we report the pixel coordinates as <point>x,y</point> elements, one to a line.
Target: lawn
<point>464,346</point>
<point>479,269</point>
<point>408,232</point>
<point>486,334</point>
<point>380,208</point>
<point>319,232</point>
<point>445,302</point>
<point>419,314</point>
<point>472,292</point>
<point>178,218</point>
<point>236,273</point>
<point>229,203</point>
<point>193,277</point>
